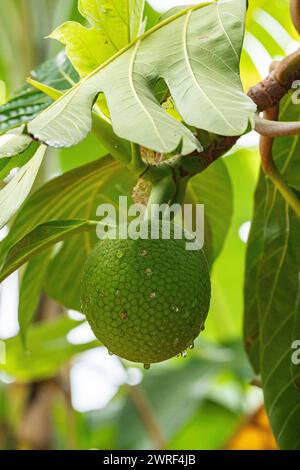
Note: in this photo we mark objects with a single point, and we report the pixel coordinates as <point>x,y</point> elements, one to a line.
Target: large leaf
<point>9,163</point>
<point>200,64</point>
<point>87,48</point>
<point>75,194</point>
<point>226,309</point>
<point>273,291</point>
<point>121,21</point>
<point>213,188</point>
<point>58,73</point>
<point>14,142</point>
<point>254,254</point>
<point>47,349</point>
<point>279,307</point>
<point>15,192</point>
<point>54,77</point>
<point>113,26</point>
<point>41,238</point>
<point>30,290</point>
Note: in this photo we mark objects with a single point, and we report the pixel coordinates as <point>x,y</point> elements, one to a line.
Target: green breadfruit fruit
<point>147,299</point>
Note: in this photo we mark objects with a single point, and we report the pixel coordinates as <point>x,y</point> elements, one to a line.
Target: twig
<point>287,68</point>
<point>145,411</point>
<point>295,13</point>
<point>270,91</point>
<point>268,128</point>
<point>266,143</point>
<point>137,164</point>
<point>265,95</point>
<point>270,169</point>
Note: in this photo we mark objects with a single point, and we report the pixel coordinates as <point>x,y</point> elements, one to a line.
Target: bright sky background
<point>164,5</point>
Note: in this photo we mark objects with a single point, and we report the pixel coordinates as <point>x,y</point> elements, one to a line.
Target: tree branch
<point>270,169</point>
<point>145,411</point>
<point>265,95</point>
<point>268,128</point>
<point>295,13</point>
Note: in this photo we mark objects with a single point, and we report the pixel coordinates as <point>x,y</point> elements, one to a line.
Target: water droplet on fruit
<point>117,292</point>
<point>183,354</point>
<point>147,366</point>
<point>148,272</point>
<point>119,254</point>
<point>144,253</point>
<point>152,295</point>
<point>192,345</point>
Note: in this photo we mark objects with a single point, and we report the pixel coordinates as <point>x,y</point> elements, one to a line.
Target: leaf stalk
<point>271,171</point>
<point>268,128</point>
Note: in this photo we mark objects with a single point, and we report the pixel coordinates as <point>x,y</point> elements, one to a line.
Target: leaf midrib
<point>133,43</point>
<point>139,101</point>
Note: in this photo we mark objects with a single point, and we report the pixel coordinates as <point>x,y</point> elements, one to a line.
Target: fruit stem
<point>117,147</point>
<point>137,165</point>
<point>270,128</point>
<point>161,194</point>
<point>180,191</point>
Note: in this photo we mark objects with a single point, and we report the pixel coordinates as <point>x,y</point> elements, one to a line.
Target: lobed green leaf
<point>272,291</point>
<point>206,89</point>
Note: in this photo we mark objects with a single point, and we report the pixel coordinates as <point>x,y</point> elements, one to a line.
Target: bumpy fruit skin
<point>146,300</point>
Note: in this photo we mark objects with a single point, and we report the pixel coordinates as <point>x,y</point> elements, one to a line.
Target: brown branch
<point>266,143</point>
<point>35,429</point>
<point>147,416</point>
<point>268,128</point>
<point>288,69</point>
<point>266,95</point>
<point>295,13</point>
<point>272,89</point>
